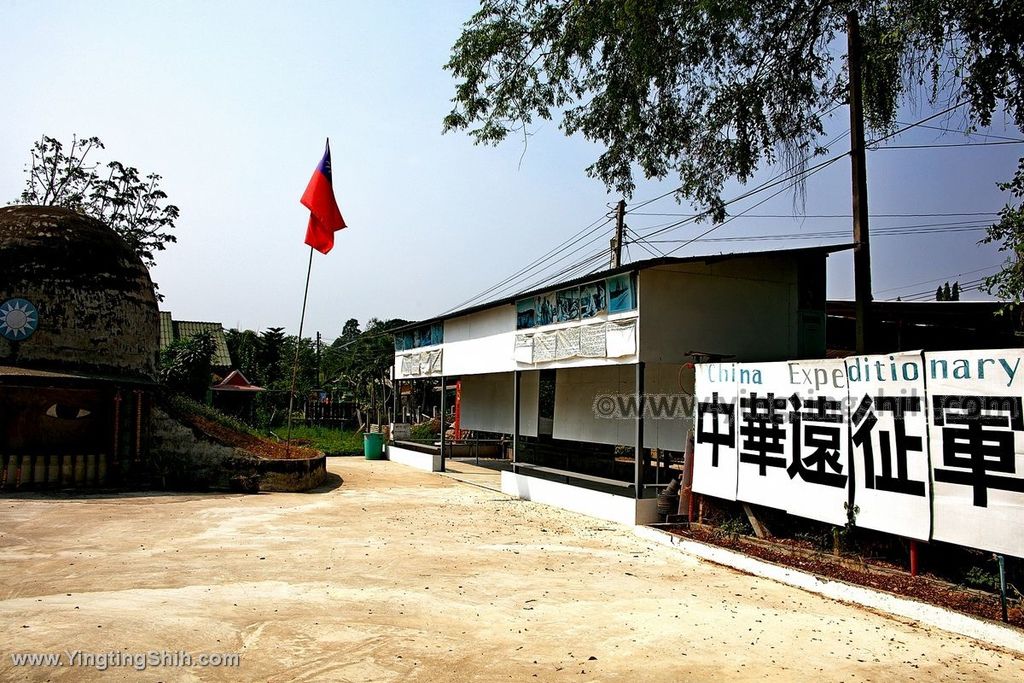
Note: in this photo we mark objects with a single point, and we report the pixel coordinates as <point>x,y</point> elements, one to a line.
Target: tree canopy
<point>710,91</point>
<point>121,196</point>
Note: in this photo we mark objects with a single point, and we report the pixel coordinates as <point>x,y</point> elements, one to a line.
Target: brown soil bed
<point>872,574</point>
<point>260,447</point>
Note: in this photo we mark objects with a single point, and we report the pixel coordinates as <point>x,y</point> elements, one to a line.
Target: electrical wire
<point>938,279</point>
<point>819,115</point>
<point>954,144</point>
<point>793,180</point>
<point>526,270</point>
<point>961,132</point>
<point>829,215</point>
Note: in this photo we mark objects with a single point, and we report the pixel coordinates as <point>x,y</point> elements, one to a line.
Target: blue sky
<point>230,103</point>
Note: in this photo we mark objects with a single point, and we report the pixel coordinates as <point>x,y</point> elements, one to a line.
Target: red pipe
<point>913,558</point>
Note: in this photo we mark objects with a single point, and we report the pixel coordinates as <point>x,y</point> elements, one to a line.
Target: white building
<point>564,368</point>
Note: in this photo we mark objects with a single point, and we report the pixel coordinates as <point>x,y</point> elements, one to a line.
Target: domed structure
<point>74,297</point>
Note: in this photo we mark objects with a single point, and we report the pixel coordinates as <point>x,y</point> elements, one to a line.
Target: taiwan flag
<point>324,216</point>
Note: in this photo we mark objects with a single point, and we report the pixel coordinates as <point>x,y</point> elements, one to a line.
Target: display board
<point>925,446</point>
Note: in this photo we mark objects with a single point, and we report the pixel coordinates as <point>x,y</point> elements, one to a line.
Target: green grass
<point>184,405</point>
<point>327,439</point>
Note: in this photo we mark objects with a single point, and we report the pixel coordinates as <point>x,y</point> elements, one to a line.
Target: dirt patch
<point>875,575</point>
<point>263,448</point>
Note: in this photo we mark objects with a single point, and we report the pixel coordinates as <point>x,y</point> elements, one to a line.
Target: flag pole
<point>295,363</point>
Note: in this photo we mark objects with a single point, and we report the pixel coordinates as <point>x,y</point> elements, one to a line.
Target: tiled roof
<point>166,329</point>
<point>173,330</point>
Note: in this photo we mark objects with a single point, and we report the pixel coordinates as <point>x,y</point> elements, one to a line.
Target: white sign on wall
<point>977,448</point>
<point>925,447</point>
<point>818,450</point>
<point>762,433</point>
<point>714,454</point>
<point>889,429</point>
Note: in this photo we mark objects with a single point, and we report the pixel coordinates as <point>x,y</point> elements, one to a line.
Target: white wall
<point>577,389</point>
<point>487,402</point>
<point>745,307</point>
<point>481,342</point>
<point>621,509</point>
<point>667,386</point>
<point>409,458</point>
<point>577,418</point>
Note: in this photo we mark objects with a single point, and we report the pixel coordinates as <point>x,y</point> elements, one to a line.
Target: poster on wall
<point>818,449</point>
<point>976,438</point>
<point>762,434</point>
<point>526,313</point>
<point>523,352</point>
<point>593,299</point>
<point>593,341</point>
<point>544,344</point>
<point>889,433</point>
<point>621,297</point>
<point>567,343</point>
<point>568,304</point>
<point>546,308</point>
<point>714,451</point>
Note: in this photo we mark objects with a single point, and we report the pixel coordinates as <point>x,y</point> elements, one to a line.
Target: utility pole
<point>861,236</point>
<point>620,215</point>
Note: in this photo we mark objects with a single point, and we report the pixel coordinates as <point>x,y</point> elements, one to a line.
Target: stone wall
<point>97,309</point>
<point>182,458</point>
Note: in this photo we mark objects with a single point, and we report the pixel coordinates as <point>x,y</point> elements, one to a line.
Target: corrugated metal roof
<point>173,330</point>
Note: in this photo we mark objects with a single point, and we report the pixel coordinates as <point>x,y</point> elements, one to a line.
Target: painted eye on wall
<point>66,412</point>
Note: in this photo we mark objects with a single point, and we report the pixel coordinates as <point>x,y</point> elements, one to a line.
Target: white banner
<point>889,429</point>
<point>714,453</point>
<point>621,339</point>
<point>762,433</point>
<point>934,445</point>
<point>819,441</point>
<point>977,448</point>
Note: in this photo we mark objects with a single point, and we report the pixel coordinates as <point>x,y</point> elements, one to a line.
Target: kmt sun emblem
<point>18,319</point>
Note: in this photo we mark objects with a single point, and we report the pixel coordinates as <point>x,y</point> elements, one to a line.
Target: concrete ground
<point>399,574</point>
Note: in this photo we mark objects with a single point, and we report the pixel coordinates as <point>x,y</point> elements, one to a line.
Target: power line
<point>962,132</point>
<point>522,272</point>
<point>920,227</point>
<point>795,178</point>
<point>643,243</point>
<point>821,235</point>
<point>938,279</point>
<point>953,144</point>
<point>970,285</point>
<point>818,115</point>
<point>908,126</point>
<point>830,215</point>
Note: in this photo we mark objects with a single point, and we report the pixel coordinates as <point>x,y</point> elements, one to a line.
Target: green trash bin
<point>373,446</point>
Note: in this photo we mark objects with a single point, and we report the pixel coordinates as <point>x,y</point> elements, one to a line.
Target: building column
<point>443,392</point>
<point>638,449</point>
<point>394,397</point>
<point>517,377</point>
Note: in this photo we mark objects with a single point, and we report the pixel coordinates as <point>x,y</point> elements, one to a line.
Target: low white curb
<point>961,624</point>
